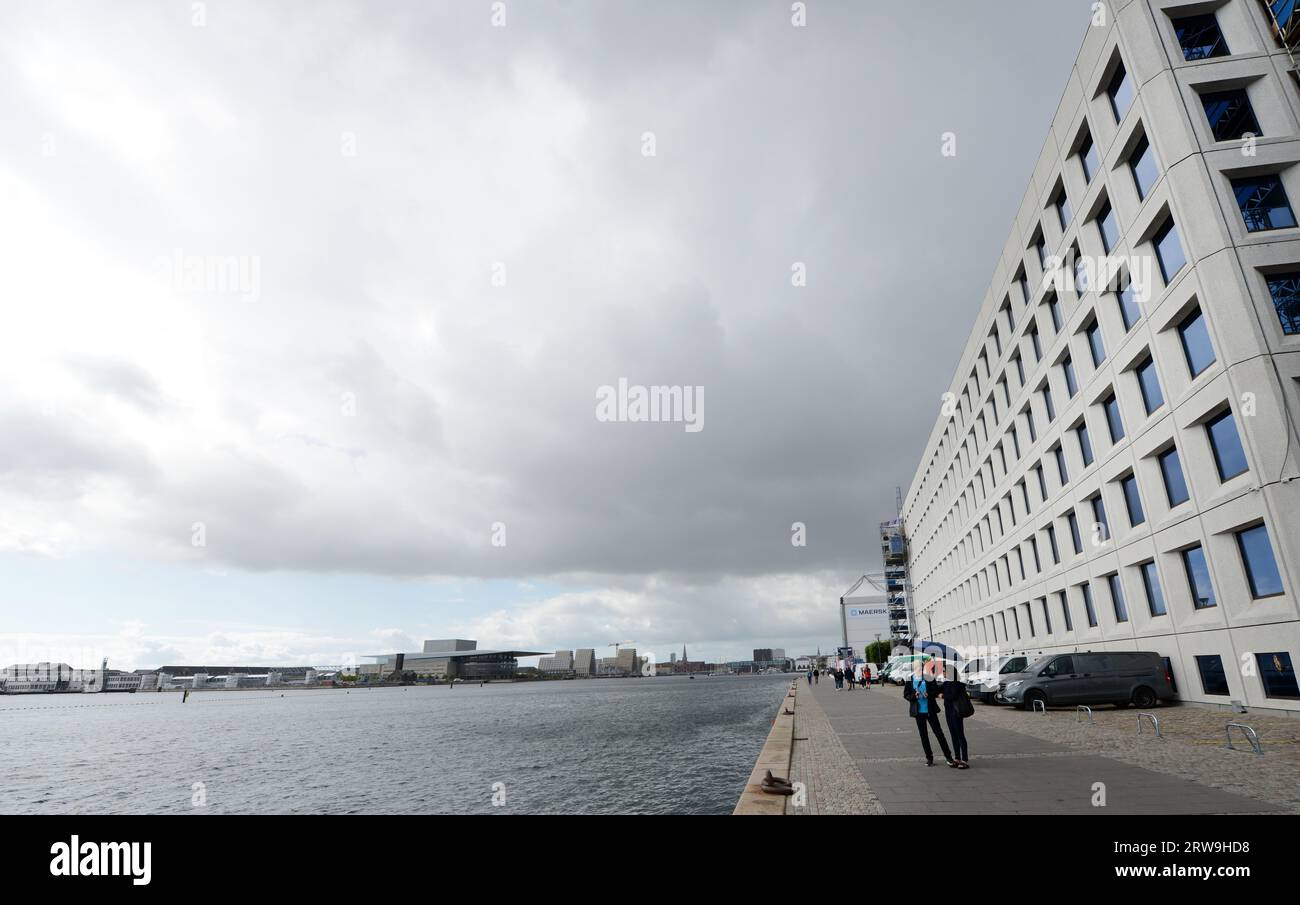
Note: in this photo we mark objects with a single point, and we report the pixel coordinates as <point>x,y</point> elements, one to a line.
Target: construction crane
<point>617,644</point>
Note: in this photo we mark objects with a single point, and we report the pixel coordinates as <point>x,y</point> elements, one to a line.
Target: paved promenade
<point>858,752</point>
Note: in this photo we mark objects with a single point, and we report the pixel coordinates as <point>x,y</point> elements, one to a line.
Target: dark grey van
<point>1110,677</point>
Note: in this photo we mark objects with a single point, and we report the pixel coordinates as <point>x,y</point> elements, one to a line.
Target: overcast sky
<point>453,236</point>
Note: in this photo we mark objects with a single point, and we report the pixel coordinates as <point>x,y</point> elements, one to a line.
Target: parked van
<point>983,680</point>
<point>1110,677</point>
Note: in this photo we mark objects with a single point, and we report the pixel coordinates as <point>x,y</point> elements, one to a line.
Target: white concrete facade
<point>981,532</point>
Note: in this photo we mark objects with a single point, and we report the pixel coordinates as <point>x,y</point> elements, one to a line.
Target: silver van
<point>1110,677</point>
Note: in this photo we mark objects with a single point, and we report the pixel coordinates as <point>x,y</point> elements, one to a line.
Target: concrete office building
<point>559,665</point>
<point>1115,465</point>
<point>584,662</point>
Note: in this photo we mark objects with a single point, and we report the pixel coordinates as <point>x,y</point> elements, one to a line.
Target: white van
<point>983,683</point>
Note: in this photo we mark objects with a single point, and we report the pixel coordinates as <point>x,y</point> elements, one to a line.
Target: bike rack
<point>1039,706</point>
<point>1248,732</point>
<point>1080,709</point>
<point>1155,722</point>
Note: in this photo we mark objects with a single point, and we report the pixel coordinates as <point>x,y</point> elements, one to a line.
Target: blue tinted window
<point>1108,226</point>
<point>1085,444</point>
<point>1040,247</point>
<point>1120,91</point>
<point>1133,500</point>
<point>1285,290</point>
<point>1199,37</point>
<point>1087,604</point>
<point>1113,419</point>
<point>1060,465</point>
<point>1169,250</point>
<point>1054,306</point>
<point>1197,348</point>
<point>1063,212</point>
<point>1051,538</point>
<point>1151,582</point>
<point>1089,159</point>
<point>1213,679</point>
<point>1047,403</point>
<point>1198,578</point>
<point>1263,203</point>
<point>1229,455</point>
<point>1129,309</point>
<point>1230,114</point>
<point>1096,345</point>
<point>1261,567</point>
<point>1117,598</point>
<point>1065,612</point>
<point>1071,381</point>
<point>1175,485</point>
<point>1074,531</point>
<point>1099,517</point>
<point>1143,164</point>
<point>1149,382</point>
<point>1278,675</point>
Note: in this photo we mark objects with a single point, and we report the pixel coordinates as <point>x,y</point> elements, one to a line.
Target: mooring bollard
<point>1249,733</point>
<point>1155,722</point>
<point>1081,709</point>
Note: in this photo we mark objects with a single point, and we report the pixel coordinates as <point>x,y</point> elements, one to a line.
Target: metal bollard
<point>1082,708</point>
<point>1039,706</point>
<point>1248,732</point>
<point>1155,721</point>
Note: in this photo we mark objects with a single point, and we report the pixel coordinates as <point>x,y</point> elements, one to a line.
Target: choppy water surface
<point>663,745</point>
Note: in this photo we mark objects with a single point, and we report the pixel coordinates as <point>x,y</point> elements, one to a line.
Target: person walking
<point>921,692</point>
<point>866,676</point>
<point>808,675</point>
<point>817,676</point>
<point>957,706</point>
<point>848,676</point>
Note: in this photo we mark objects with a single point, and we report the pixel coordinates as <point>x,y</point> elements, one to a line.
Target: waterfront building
<point>1114,465</point>
<point>559,665</point>
<point>464,660</point>
<point>584,662</point>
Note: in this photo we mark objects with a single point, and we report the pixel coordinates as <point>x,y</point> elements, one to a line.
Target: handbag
<point>965,707</point>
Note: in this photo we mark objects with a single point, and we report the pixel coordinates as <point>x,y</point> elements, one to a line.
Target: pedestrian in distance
<point>848,677</point>
<point>866,676</point>
<point>922,692</point>
<point>957,706</point>
<point>809,676</point>
<point>817,676</point>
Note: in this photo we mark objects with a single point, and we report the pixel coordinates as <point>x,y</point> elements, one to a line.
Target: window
<point>1054,307</point>
<point>1047,403</point>
<point>1095,344</point>
<point>1038,346</point>
<point>1042,482</point>
<point>1230,114</point>
<point>1065,612</point>
<point>1169,251</point>
<point>1171,467</point>
<point>1099,517</point>
<point>1117,597</point>
<point>1071,380</point>
<point>1081,279</point>
<point>1278,675</point>
<point>1075,539</point>
<point>1051,540</point>
<point>1061,471</point>
<point>1063,212</point>
<point>1229,456</point>
<point>1198,578</point>
<point>1142,163</point>
<point>1132,500</point>
<point>1263,203</point>
<point>1047,617</point>
<point>1089,159</point>
<point>1029,422</point>
<point>1149,383</point>
<point>1197,348</point>
<point>1213,679</point>
<point>1129,309</point>
<point>1088,605</point>
<point>1108,226</point>
<point>1040,247</point>
<point>1151,582</point>
<point>1020,369</point>
<point>1261,567</point>
<point>1200,38</point>
<point>1113,420</point>
<point>1085,444</point>
<point>1285,291</point>
<point>1120,92</point>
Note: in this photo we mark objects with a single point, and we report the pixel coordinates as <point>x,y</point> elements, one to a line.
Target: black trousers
<point>932,719</point>
<point>957,726</point>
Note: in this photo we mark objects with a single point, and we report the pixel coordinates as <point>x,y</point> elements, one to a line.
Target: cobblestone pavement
<point>1193,744</point>
<point>1030,763</point>
<point>834,785</point>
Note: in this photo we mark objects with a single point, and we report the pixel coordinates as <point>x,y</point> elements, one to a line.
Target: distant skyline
<point>310,307</point>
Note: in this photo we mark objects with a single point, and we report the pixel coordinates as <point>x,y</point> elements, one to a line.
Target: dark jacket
<point>952,692</point>
<point>932,689</point>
